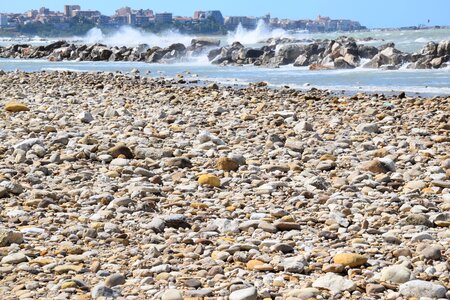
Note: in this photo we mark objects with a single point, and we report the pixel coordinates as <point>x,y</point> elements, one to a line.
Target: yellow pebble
<point>16,107</point>
<point>209,179</point>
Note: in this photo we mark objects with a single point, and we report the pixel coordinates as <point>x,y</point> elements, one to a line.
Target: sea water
<point>426,82</point>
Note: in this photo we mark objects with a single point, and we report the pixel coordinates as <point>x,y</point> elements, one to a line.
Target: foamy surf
<point>260,34</point>
<point>130,37</point>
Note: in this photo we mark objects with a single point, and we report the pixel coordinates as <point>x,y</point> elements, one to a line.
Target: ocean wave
<point>128,36</point>
<point>422,40</point>
<point>260,34</point>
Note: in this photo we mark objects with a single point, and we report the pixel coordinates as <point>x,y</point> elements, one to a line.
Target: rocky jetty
<point>62,50</point>
<point>342,53</point>
<point>117,186</point>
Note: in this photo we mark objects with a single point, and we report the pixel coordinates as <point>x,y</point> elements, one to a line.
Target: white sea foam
<point>261,33</point>
<point>127,36</point>
<point>422,40</point>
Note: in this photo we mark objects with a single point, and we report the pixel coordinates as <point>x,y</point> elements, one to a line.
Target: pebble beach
<point>120,186</point>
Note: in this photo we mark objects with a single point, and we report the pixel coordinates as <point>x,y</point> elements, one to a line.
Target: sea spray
<point>128,36</point>
<point>260,34</point>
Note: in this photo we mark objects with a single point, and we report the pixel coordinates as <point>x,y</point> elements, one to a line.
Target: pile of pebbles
<point>117,186</point>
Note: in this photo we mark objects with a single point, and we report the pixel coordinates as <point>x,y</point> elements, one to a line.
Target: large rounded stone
<point>172,294</point>
<point>209,179</point>
<point>120,150</point>
<point>350,259</point>
<point>244,294</point>
<point>421,288</point>
<point>114,279</point>
<point>227,164</point>
<point>16,107</point>
<point>395,274</point>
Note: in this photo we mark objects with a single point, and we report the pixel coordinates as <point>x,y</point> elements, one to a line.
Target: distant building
<point>31,14</point>
<point>163,18</point>
<point>3,20</point>
<point>247,22</point>
<point>315,27</point>
<point>144,13</point>
<point>68,10</point>
<point>86,13</point>
<point>44,11</point>
<point>142,20</point>
<point>215,15</point>
<point>183,20</point>
<point>131,19</point>
<point>348,25</point>
<point>119,20</point>
<point>198,14</point>
<point>103,20</point>
<point>124,11</point>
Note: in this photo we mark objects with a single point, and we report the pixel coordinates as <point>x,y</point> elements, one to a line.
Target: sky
<point>373,14</point>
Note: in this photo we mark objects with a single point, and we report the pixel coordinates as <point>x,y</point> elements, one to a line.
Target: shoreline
<point>188,78</point>
<point>119,185</point>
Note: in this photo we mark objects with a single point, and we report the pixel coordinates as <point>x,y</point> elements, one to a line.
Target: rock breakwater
<point>342,53</point>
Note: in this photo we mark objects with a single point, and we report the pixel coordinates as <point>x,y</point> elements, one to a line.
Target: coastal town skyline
<point>395,14</point>
<point>76,19</point>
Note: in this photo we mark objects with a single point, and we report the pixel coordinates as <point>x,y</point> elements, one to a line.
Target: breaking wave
<point>128,36</point>
<point>422,40</point>
<point>260,34</point>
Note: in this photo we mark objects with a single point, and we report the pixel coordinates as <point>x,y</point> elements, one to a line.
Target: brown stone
<point>121,150</point>
<point>227,164</point>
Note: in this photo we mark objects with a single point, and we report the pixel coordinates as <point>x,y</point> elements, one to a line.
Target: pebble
<point>85,117</point>
<point>350,259</point>
<point>420,288</point>
<point>334,283</point>
<point>14,259</point>
<point>209,179</point>
<point>8,237</point>
<point>395,274</point>
<point>431,252</point>
<point>244,294</point>
<point>172,294</point>
<point>16,107</point>
<point>114,279</point>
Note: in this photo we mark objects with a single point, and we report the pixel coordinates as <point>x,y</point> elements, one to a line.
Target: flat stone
<point>227,164</point>
<point>114,279</point>
<point>85,117</point>
<point>14,259</point>
<point>209,179</point>
<point>350,259</point>
<point>244,294</point>
<point>16,107</point>
<point>334,283</point>
<point>431,252</point>
<point>172,294</point>
<point>102,291</point>
<point>8,237</point>
<point>121,150</point>
<point>294,264</point>
<point>421,288</point>
<point>62,269</point>
<point>372,288</point>
<point>395,274</point>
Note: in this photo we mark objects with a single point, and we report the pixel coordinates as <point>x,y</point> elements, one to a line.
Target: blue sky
<point>372,13</point>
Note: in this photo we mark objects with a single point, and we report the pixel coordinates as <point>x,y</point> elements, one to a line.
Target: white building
<point>3,20</point>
